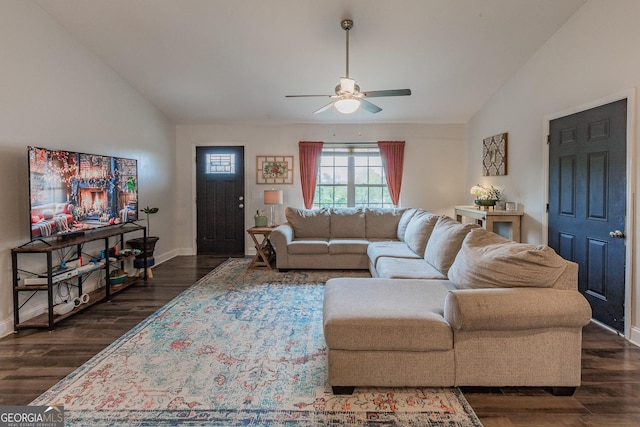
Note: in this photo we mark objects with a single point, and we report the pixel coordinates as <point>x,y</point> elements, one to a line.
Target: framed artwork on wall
<point>274,169</point>
<point>494,155</point>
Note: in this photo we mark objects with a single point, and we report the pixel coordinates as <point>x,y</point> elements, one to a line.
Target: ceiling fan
<point>348,97</point>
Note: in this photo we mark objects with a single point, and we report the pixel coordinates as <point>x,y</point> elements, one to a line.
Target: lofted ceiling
<point>223,61</point>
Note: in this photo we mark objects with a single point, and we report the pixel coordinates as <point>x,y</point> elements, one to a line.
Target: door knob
<point>616,234</point>
<point>241,198</point>
<point>241,205</point>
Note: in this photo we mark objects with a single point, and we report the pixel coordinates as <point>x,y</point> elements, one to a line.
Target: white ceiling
<point>222,61</point>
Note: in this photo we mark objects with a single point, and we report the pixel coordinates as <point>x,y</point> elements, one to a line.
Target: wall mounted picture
<point>494,155</point>
<point>274,169</point>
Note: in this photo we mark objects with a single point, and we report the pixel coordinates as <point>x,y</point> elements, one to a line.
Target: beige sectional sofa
<point>449,304</point>
<point>334,238</point>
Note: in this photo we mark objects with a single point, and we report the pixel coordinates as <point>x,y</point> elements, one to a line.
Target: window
<point>220,164</point>
<point>351,176</point>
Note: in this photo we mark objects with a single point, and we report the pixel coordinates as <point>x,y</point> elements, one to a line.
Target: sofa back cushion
<point>419,230</point>
<point>404,222</point>
<point>445,242</point>
<point>487,260</point>
<point>308,222</point>
<point>382,223</point>
<point>347,222</point>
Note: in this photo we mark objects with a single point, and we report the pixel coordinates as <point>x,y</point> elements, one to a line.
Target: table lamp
<point>273,197</point>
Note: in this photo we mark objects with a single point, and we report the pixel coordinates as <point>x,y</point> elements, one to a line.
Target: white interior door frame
<point>630,95</point>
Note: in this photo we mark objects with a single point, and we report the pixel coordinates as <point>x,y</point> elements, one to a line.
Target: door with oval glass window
<point>220,200</point>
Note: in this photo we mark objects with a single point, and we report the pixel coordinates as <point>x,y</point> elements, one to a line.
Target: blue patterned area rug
<point>238,348</point>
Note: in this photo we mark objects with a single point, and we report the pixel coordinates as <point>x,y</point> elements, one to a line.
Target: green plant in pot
<point>260,218</point>
<point>486,197</point>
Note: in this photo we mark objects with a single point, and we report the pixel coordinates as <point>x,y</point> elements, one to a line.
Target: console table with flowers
<point>488,217</point>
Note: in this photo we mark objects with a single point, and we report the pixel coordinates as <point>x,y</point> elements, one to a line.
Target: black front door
<point>587,203</point>
<point>220,200</point>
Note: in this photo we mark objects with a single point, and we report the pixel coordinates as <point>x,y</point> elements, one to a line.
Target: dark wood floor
<point>34,360</point>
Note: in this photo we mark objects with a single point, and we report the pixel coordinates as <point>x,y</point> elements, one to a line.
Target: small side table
<point>265,253</point>
<point>487,218</point>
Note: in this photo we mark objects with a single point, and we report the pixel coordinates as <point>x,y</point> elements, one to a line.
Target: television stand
<point>67,236</point>
<point>34,283</point>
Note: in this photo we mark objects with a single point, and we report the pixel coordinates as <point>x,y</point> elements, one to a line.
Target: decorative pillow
<point>487,260</point>
<point>308,222</point>
<point>47,214</point>
<point>445,242</point>
<point>382,223</point>
<point>404,222</point>
<point>419,230</point>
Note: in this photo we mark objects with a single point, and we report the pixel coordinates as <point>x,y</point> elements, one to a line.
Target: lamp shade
<point>273,197</point>
<point>347,105</point>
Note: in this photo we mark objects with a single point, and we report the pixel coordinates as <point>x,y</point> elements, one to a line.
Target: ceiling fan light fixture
<point>347,85</point>
<point>347,105</point>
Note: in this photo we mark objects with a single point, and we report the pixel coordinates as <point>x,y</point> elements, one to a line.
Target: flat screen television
<point>71,193</point>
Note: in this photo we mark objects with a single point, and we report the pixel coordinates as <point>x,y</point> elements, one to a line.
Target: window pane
<point>220,164</point>
<point>362,196</point>
<point>341,175</point>
<point>340,196</point>
<point>375,176</point>
<point>342,161</point>
<point>326,176</point>
<point>361,176</point>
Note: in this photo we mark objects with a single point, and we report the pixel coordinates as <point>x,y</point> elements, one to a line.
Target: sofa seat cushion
<point>348,246</point>
<point>347,223</point>
<point>309,223</point>
<point>308,246</point>
<point>382,315</point>
<point>406,268</point>
<point>488,260</point>
<point>389,249</point>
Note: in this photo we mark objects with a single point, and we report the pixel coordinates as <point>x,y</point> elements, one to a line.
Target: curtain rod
<point>351,144</point>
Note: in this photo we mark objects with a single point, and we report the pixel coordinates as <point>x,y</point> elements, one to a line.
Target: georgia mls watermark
<point>31,416</point>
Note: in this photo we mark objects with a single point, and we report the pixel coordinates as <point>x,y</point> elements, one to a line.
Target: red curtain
<point>309,155</point>
<point>392,153</point>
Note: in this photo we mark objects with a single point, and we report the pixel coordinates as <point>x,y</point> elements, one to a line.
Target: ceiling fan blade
<point>325,108</point>
<point>370,107</point>
<point>391,92</point>
<point>308,96</point>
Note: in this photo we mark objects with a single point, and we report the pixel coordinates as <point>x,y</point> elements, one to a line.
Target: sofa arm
<point>505,309</point>
<point>280,237</point>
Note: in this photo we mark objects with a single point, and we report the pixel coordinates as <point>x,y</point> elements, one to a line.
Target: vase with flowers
<point>486,197</point>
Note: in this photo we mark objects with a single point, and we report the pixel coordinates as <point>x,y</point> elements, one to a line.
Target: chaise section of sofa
<point>506,314</point>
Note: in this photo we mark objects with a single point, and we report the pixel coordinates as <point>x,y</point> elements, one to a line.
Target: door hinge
<point>548,139</point>
<point>547,208</point>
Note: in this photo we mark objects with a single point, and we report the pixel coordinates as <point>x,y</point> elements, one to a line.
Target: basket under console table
<point>50,280</point>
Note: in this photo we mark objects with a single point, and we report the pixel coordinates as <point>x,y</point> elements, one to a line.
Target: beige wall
<point>57,94</point>
<point>433,171</point>
<point>592,57</point>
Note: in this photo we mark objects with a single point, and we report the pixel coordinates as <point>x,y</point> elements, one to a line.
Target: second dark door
<point>220,200</point>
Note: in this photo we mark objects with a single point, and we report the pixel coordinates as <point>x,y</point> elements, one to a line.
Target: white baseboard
<point>635,336</point>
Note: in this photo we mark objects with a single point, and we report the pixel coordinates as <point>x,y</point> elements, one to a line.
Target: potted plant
<point>151,240</point>
<point>486,197</point>
<point>260,218</point>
